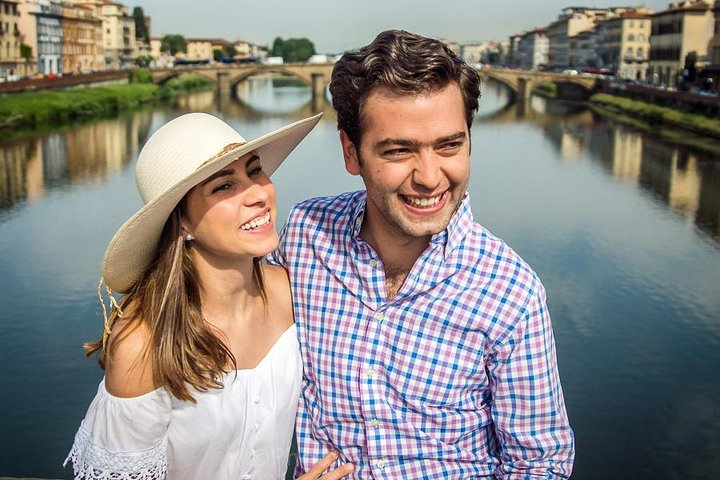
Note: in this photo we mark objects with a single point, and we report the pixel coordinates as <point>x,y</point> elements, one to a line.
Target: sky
<point>338,25</point>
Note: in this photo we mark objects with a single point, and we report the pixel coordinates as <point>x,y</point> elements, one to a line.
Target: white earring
<point>189,237</point>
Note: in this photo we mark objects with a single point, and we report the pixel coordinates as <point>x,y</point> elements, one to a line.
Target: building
<point>118,35</point>
<point>624,43</point>
<point>711,74</point>
<point>49,40</point>
<point>512,55</point>
<point>12,64</point>
<point>684,27</point>
<point>532,49</point>
<point>82,39</point>
<point>571,22</point>
<point>583,49</point>
<point>199,49</point>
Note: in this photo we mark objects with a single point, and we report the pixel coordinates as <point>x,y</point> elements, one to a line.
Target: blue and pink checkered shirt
<point>454,377</point>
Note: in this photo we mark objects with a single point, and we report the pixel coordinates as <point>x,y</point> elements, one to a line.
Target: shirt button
<point>374,423</point>
<point>370,372</point>
<point>246,477</point>
<point>380,464</point>
<point>379,316</point>
<point>256,400</point>
<point>257,427</point>
<point>373,263</point>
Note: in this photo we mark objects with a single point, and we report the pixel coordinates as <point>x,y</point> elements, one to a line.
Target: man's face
<point>414,158</point>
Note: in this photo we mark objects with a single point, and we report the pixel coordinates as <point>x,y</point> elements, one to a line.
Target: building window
<point>640,53</point>
<point>631,37</point>
<point>629,52</point>
<point>641,37</point>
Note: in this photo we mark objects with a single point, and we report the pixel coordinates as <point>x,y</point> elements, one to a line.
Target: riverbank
<point>691,129</point>
<point>33,110</point>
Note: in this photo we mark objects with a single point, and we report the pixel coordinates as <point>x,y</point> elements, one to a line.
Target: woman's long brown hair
<point>183,347</point>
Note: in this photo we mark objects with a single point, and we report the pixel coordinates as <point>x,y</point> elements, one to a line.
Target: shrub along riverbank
<point>654,115</point>
<point>32,110</point>
<point>690,129</point>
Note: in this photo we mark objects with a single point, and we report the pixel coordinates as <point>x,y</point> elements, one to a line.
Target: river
<point>623,228</point>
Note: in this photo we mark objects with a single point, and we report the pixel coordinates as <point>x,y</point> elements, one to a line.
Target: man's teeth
<point>423,202</point>
<point>258,222</point>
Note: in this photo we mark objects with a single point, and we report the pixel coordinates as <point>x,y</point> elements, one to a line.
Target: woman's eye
<point>221,188</point>
<point>255,171</point>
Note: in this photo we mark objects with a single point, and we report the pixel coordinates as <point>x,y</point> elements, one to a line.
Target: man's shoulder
<point>326,210</point>
<point>490,257</point>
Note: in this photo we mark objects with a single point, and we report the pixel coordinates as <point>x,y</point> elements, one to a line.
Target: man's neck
<point>397,253</point>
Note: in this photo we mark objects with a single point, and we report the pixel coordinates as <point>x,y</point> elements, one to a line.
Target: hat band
<point>221,153</point>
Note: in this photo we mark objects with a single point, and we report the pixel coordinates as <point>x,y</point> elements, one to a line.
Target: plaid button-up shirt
<point>454,377</point>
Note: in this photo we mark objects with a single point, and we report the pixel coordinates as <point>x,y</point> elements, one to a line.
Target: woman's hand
<point>319,468</point>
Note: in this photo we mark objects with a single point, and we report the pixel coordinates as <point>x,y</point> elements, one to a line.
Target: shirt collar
<point>453,235</point>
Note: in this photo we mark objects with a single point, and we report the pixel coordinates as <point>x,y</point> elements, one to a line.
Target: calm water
<point>623,228</point>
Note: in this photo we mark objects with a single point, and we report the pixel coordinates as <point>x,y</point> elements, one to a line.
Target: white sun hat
<point>179,155</point>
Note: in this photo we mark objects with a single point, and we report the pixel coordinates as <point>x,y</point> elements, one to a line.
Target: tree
<point>173,44</point>
<point>26,51</point>
<point>141,29</point>
<point>227,51</point>
<point>293,49</point>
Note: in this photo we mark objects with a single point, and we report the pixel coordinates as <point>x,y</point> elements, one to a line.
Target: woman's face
<point>232,213</point>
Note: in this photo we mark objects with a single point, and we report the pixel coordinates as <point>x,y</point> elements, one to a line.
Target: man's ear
<point>350,154</point>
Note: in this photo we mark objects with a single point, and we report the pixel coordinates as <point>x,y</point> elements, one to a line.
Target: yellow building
<point>82,37</point>
<point>199,49</point>
<point>12,65</point>
<point>686,26</point>
<point>118,35</point>
<point>624,43</point>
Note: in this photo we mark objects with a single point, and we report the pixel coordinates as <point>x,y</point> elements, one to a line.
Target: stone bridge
<point>228,76</point>
<point>522,83</point>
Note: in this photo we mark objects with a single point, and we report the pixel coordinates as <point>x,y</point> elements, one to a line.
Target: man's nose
<point>428,173</point>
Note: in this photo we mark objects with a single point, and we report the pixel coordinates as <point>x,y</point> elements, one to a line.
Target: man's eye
<point>396,151</point>
<point>451,145</point>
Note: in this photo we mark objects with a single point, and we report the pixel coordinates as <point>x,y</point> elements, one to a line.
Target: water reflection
<point>84,154</point>
<point>687,181</point>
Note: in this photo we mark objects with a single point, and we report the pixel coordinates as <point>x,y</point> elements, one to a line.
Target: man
<point>426,341</point>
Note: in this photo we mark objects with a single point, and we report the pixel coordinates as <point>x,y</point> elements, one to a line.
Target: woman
<point>201,360</point>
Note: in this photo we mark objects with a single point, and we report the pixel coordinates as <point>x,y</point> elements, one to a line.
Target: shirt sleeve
<point>528,410</point>
<point>123,438</point>
<point>277,256</point>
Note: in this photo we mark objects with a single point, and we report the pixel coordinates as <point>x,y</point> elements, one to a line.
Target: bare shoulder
<point>128,368</point>
<point>277,287</point>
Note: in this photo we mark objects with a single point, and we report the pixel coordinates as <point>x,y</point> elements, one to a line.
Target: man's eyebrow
<point>414,143</point>
<point>229,170</point>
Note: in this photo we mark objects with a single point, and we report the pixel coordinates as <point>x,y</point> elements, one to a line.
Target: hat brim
<point>133,246</point>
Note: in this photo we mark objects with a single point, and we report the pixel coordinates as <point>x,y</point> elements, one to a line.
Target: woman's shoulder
<point>128,365</point>
<point>279,295</point>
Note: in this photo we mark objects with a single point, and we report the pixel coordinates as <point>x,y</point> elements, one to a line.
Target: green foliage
<point>141,30</point>
<point>26,51</point>
<point>173,44</point>
<point>657,115</point>
<point>293,49</point>
<point>34,109</point>
<point>548,90</point>
<point>227,51</point>
<point>139,75</point>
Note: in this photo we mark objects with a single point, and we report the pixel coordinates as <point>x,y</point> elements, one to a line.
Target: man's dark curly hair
<point>405,63</point>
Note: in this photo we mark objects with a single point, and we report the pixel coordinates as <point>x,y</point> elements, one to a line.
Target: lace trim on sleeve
<point>93,462</point>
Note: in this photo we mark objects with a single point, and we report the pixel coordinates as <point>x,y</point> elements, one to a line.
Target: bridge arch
<point>163,78</point>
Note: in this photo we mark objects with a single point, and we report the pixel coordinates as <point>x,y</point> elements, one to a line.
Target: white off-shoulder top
<point>242,431</point>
